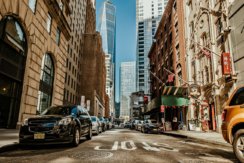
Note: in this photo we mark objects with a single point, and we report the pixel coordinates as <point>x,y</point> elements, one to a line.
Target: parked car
<point>96,125</point>
<point>57,124</point>
<point>133,124</point>
<point>108,124</point>
<point>103,123</point>
<point>139,125</point>
<point>150,126</point>
<point>127,125</point>
<point>233,122</point>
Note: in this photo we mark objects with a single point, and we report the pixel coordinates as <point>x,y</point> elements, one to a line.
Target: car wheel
<point>238,145</point>
<point>100,129</point>
<point>89,135</point>
<point>76,137</point>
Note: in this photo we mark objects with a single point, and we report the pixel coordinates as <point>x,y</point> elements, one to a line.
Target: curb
<point>199,139</point>
<point>9,147</point>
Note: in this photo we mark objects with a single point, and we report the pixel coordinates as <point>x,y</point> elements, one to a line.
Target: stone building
<point>34,36</point>
<point>208,43</point>
<point>77,23</point>
<point>236,12</point>
<point>168,69</point>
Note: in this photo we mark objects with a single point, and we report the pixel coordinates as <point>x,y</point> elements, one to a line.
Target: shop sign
<point>226,64</point>
<point>162,108</point>
<point>145,99</point>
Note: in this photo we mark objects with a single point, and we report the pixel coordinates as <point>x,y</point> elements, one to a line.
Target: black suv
<point>58,124</point>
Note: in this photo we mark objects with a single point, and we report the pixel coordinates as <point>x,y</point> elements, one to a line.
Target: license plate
<point>155,129</point>
<point>39,136</point>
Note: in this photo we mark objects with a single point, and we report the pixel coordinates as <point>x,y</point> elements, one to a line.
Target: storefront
<point>174,107</point>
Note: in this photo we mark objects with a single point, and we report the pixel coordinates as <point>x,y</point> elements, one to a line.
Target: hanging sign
<point>226,64</point>
<point>162,109</point>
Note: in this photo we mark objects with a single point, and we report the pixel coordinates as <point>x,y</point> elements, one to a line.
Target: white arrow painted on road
<point>150,148</point>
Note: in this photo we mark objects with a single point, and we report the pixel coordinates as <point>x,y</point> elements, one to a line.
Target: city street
<point>124,145</point>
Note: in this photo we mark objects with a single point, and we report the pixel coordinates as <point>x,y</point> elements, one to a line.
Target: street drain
<point>91,155</point>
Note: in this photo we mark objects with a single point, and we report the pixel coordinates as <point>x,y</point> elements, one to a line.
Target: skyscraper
<point>107,28</point>
<point>127,86</point>
<point>148,16</point>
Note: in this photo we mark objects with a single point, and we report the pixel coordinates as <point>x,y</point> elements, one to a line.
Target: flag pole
<point>204,47</point>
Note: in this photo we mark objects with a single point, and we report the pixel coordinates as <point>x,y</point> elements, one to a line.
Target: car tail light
<point>224,113</point>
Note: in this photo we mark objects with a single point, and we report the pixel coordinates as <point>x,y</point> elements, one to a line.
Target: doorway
<point>12,65</point>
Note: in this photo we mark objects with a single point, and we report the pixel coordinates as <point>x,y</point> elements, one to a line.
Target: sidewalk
<point>209,137</point>
<point>8,138</point>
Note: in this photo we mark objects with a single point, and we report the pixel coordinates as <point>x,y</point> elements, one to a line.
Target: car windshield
<point>93,119</point>
<point>101,119</point>
<point>59,110</point>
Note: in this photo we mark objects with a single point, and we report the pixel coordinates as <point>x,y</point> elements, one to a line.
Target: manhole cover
<point>91,155</point>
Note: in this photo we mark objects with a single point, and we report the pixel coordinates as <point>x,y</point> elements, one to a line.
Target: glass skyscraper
<point>107,29</point>
<point>127,86</point>
<point>148,16</point>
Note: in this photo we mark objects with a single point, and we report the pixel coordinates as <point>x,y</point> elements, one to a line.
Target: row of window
<point>32,4</point>
<point>69,96</point>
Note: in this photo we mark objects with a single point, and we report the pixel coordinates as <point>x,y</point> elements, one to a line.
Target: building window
<point>207,74</point>
<point>49,23</point>
<point>46,84</point>
<point>58,36</point>
<point>32,5</point>
<point>219,26</point>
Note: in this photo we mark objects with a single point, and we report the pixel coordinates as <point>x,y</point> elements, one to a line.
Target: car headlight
<point>65,121</point>
<point>25,123</point>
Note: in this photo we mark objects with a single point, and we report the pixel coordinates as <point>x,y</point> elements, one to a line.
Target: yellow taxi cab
<point>233,122</point>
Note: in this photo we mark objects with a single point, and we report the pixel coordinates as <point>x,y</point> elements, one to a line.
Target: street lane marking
<point>131,143</point>
<point>115,146</point>
<point>149,148</point>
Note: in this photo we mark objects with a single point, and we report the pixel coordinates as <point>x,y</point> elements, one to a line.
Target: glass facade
<point>127,86</point>
<point>148,16</point>
<point>107,28</point>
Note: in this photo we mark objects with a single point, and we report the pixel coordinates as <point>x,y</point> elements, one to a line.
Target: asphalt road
<point>124,145</point>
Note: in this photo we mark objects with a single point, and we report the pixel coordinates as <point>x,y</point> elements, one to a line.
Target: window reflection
<point>46,84</point>
<point>15,32</point>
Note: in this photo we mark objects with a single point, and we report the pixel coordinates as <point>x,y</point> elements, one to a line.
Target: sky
<point>125,33</point>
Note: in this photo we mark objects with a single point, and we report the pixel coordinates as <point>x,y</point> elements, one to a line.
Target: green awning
<point>174,101</point>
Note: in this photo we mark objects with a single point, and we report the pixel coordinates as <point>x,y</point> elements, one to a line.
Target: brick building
<point>33,50</point>
<point>93,73</point>
<point>168,68</point>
